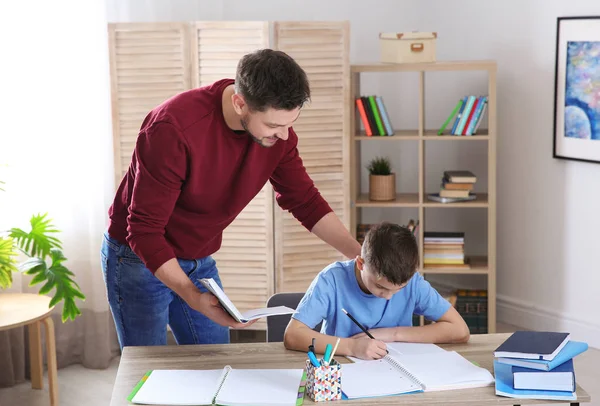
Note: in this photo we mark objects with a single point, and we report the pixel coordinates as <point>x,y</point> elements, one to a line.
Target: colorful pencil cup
<point>324,383</point>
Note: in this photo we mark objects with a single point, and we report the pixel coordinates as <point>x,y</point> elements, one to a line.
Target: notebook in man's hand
<point>215,289</point>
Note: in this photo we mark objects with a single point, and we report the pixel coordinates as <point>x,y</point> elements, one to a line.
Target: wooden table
<point>31,310</point>
<point>136,361</point>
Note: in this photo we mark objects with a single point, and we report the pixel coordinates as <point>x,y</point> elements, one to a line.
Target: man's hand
<point>208,304</point>
<point>171,274</point>
<point>367,348</point>
<point>383,334</point>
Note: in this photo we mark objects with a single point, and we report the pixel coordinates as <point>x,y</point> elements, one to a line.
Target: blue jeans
<point>142,305</point>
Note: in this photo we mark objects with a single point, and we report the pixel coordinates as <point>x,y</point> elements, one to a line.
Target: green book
<point>373,104</point>
<point>454,112</point>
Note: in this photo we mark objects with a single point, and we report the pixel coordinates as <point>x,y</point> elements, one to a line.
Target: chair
<point>276,324</point>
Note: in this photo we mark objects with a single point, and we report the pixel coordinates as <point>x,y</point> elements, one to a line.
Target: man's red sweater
<point>191,175</point>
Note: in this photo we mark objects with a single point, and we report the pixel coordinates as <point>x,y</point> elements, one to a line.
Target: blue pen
<point>313,359</point>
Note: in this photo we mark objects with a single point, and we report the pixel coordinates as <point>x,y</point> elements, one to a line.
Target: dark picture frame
<point>576,134</point>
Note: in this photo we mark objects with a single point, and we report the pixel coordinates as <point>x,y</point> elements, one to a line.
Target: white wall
<point>548,217</point>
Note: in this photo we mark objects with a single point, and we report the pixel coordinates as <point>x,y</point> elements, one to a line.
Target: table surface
<point>19,309</point>
<point>136,361</point>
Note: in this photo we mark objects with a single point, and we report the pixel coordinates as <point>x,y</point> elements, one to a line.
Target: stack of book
<point>471,304</point>
<point>457,184</point>
<point>443,249</point>
<point>537,365</point>
<point>467,115</point>
<point>374,116</point>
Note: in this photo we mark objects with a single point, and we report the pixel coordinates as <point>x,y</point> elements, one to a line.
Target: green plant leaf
<point>380,166</point>
<point>8,263</point>
<point>58,277</point>
<point>39,241</point>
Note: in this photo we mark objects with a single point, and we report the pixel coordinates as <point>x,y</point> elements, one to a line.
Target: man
<point>200,158</point>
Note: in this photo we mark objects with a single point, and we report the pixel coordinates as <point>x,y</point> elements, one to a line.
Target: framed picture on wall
<point>577,89</point>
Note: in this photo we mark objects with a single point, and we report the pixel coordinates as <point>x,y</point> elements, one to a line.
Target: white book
<point>227,387</point>
<point>424,369</point>
<point>215,289</point>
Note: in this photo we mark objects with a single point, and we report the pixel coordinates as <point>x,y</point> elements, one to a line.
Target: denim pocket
<point>127,255</point>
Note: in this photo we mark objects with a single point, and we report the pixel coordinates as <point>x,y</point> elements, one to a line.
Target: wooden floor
<point>81,386</point>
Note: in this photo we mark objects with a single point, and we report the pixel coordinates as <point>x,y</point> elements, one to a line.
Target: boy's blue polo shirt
<point>336,288</point>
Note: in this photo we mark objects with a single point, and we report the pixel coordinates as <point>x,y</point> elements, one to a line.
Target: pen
<point>313,359</point>
<point>360,325</point>
<point>312,346</point>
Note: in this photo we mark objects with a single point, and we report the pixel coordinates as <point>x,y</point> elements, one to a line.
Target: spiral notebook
<point>399,373</point>
<point>227,387</point>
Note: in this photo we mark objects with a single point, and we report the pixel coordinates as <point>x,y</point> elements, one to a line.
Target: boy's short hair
<point>271,79</point>
<point>391,251</point>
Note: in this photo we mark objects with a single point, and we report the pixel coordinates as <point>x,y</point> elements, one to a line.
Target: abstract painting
<point>577,89</point>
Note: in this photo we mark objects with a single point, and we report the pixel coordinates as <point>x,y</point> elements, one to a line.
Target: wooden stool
<point>28,309</point>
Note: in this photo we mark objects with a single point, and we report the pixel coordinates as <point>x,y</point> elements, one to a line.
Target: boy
<point>382,290</point>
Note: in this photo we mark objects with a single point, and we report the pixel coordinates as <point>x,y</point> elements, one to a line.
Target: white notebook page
<point>261,387</point>
<point>374,378</point>
<point>179,387</point>
<point>445,370</point>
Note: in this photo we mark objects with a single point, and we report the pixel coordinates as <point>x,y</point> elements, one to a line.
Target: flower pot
<point>382,187</point>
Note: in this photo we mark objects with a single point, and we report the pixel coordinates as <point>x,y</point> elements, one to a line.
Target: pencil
<point>360,325</point>
<point>333,352</point>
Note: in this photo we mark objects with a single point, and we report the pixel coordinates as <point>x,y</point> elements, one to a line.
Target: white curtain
<point>56,157</point>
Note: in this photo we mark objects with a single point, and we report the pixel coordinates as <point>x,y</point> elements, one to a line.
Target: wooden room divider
<point>265,250</point>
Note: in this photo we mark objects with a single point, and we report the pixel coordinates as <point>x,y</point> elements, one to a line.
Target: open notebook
<point>427,368</point>
<point>227,387</point>
<point>215,289</point>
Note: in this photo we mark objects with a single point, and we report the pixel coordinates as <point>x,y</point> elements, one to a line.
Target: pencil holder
<point>324,383</point>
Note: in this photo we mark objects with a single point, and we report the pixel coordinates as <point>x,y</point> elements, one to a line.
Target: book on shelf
<point>457,185</point>
<point>471,304</point>
<point>444,249</point>
<point>467,115</point>
<point>374,116</point>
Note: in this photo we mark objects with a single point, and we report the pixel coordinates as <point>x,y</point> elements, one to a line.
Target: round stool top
<point>19,309</point>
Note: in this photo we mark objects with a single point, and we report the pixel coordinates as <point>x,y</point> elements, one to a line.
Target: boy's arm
<point>298,336</point>
<point>450,328</point>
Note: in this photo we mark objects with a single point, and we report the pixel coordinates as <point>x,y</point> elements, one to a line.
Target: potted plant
<point>382,181</point>
<point>44,261</point>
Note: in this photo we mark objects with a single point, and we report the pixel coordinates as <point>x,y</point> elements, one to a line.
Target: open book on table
<point>412,368</point>
<point>227,387</point>
<point>244,317</point>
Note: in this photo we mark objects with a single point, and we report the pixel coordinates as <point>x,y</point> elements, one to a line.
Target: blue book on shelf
<point>570,351</point>
<point>504,387</point>
<point>459,115</point>
<point>384,115</point>
<point>480,102</point>
<point>465,115</point>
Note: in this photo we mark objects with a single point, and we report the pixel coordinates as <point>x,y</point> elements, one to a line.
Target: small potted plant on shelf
<point>382,181</point>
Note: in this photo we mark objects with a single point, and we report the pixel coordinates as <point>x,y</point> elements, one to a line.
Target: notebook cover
<point>503,374</point>
<point>571,350</point>
<point>565,367</point>
<point>539,343</point>
<point>138,386</point>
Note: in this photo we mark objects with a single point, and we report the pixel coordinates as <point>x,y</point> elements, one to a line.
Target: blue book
<point>459,115</point>
<point>384,115</point>
<point>571,350</point>
<point>561,378</point>
<point>504,387</point>
<point>533,345</point>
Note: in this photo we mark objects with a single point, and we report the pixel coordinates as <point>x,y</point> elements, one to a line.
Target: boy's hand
<point>367,348</point>
<point>383,334</point>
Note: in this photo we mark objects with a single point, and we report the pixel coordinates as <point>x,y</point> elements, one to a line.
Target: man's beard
<point>244,123</point>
